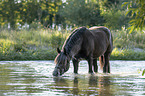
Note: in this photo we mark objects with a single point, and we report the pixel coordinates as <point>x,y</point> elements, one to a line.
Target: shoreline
<point>117,54</point>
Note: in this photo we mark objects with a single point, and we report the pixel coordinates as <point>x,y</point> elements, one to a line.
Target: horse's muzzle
<point>56,72</point>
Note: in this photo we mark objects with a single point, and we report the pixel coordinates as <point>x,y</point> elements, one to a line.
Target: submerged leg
<point>106,68</point>
<point>90,62</point>
<point>75,64</point>
<point>95,65</point>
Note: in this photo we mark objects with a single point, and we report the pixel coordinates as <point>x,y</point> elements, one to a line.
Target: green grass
<point>41,44</point>
<point>30,44</point>
<point>122,39</point>
<point>127,54</point>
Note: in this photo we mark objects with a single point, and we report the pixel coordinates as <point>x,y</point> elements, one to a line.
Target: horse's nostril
<point>56,72</point>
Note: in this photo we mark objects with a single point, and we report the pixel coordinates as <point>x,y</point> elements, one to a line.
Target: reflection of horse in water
<point>88,44</point>
<point>92,85</point>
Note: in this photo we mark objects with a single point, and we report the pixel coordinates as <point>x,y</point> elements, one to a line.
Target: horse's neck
<point>73,44</point>
<point>75,49</point>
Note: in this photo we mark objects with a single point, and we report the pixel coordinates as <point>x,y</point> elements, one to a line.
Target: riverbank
<point>128,54</point>
<point>117,54</point>
<point>41,44</point>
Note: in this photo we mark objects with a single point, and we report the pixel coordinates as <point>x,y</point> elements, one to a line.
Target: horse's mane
<point>72,39</point>
<point>60,60</point>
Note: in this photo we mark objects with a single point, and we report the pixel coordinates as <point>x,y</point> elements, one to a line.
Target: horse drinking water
<point>88,44</point>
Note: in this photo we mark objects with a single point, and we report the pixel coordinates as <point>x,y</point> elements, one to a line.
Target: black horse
<point>86,44</point>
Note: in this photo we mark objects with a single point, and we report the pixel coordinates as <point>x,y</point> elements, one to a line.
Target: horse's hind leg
<point>75,64</point>
<point>95,65</point>
<point>106,68</point>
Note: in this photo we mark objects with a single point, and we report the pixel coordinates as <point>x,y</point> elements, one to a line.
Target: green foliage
<point>136,9</point>
<point>26,11</point>
<point>30,44</point>
<point>123,39</point>
<point>41,44</point>
<point>143,72</point>
<point>127,54</point>
<point>81,13</point>
<point>6,46</point>
<point>46,13</point>
<point>35,25</point>
<point>20,47</point>
<point>113,14</point>
<point>56,40</point>
<point>37,43</point>
<point>114,19</point>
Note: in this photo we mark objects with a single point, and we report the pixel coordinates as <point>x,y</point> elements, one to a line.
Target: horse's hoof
<point>96,72</point>
<point>75,72</point>
<point>91,73</point>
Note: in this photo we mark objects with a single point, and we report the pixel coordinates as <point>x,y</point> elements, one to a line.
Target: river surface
<point>34,78</point>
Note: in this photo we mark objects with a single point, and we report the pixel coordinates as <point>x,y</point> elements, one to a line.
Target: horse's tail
<point>101,60</point>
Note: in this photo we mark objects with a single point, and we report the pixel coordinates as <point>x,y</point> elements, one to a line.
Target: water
<point>34,78</point>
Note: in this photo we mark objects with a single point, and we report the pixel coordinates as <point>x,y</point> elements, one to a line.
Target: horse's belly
<point>99,51</point>
<point>98,54</point>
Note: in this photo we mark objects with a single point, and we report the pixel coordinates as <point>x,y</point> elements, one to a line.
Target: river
<point>34,78</point>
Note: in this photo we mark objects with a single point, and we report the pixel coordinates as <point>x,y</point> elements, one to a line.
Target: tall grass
<point>30,44</point>
<point>124,39</point>
<point>41,44</point>
<point>127,54</point>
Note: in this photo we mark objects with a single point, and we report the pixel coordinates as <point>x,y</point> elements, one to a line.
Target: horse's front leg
<point>95,65</point>
<point>75,64</point>
<point>90,62</point>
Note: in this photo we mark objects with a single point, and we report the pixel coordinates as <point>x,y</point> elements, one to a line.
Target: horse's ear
<point>58,50</point>
<point>65,51</point>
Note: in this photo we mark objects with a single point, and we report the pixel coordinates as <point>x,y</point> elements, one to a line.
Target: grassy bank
<point>127,54</point>
<point>41,44</point>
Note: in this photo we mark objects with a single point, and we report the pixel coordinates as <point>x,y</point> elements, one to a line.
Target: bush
<point>6,46</point>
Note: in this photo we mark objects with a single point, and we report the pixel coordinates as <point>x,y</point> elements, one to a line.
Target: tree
<point>136,8</point>
<point>81,13</point>
<point>113,14</point>
<point>9,13</point>
<point>16,12</point>
<point>49,9</point>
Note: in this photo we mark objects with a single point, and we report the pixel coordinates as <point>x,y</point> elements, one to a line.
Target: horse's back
<point>97,29</point>
<point>103,38</point>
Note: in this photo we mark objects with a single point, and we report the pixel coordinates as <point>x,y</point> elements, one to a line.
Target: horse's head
<point>62,61</point>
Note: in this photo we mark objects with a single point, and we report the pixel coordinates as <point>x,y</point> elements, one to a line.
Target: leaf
<point>127,13</point>
<point>124,3</point>
<point>131,21</point>
<point>143,72</point>
<point>131,29</point>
